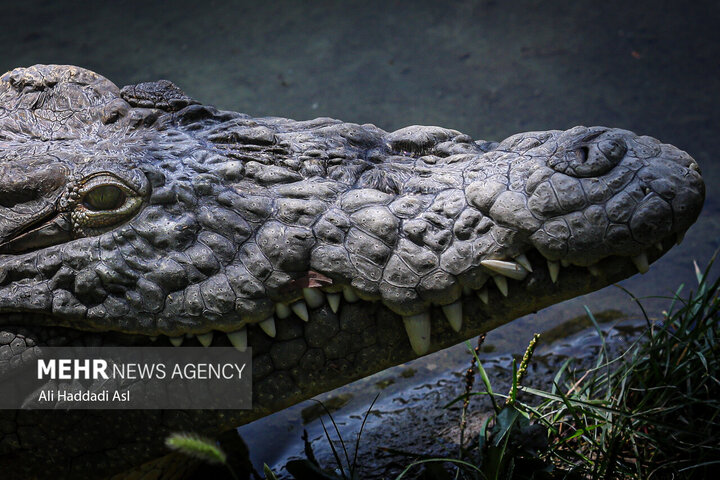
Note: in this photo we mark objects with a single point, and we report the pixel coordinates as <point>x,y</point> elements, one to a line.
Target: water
<point>482,67</point>
<point>411,412</point>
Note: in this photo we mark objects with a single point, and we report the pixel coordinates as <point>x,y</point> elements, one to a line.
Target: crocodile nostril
<point>582,154</point>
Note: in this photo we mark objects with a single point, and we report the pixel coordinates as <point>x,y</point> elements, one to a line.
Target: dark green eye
<point>105,197</point>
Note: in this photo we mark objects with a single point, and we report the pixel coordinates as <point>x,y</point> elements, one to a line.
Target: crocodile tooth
<point>453,313</point>
<point>483,295</point>
<point>334,301</point>
<point>418,331</point>
<point>594,270</point>
<point>501,283</point>
<point>282,310</point>
<point>641,262</point>
<point>313,297</point>
<point>554,269</point>
<point>509,269</point>
<point>177,341</point>
<point>268,326</point>
<point>205,339</point>
<point>238,339</point>
<point>680,238</point>
<point>153,338</point>
<point>350,295</point>
<point>523,260</point>
<point>300,310</point>
<point>659,246</point>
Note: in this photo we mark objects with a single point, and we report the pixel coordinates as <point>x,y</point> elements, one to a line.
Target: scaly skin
<point>135,213</point>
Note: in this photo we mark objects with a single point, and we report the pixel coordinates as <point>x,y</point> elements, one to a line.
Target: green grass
<point>651,413</point>
<point>199,447</point>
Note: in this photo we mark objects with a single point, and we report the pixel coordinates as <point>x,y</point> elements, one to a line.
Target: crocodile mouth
<point>505,280</point>
<point>47,229</point>
<point>502,282</point>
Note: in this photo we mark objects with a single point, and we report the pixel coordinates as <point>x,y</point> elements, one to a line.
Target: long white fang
<point>659,246</point>
<point>554,269</point>
<point>205,339</point>
<point>509,269</point>
<point>314,297</point>
<point>334,301</point>
<point>483,295</point>
<point>350,295</point>
<point>282,310</point>
<point>238,339</point>
<point>641,262</point>
<point>177,341</point>
<point>300,310</point>
<point>453,313</point>
<point>268,326</point>
<point>523,260</point>
<point>418,331</point>
<point>501,283</point>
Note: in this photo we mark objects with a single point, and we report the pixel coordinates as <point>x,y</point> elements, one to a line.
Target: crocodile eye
<point>104,197</point>
<point>103,201</point>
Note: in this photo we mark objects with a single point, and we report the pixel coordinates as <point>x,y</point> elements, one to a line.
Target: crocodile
<point>139,216</point>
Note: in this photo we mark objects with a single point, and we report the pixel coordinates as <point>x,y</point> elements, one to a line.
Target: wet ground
<point>411,416</point>
<point>486,68</point>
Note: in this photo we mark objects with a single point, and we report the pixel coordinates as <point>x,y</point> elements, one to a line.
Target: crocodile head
<point>333,249</point>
